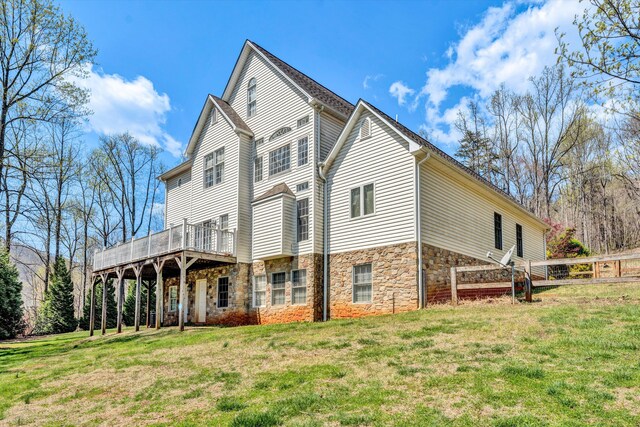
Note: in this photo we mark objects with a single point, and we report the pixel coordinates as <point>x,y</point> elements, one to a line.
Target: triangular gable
<point>417,144</point>
<point>225,111</point>
<point>312,90</point>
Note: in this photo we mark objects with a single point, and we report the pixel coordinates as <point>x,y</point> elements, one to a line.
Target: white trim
<point>253,291</point>
<point>362,214</point>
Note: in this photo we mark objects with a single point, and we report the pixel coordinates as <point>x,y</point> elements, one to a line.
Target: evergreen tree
<point>129,310</point>
<point>56,313</point>
<point>11,320</point>
<point>112,309</point>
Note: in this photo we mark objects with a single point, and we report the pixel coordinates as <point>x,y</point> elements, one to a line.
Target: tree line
<point>60,198</point>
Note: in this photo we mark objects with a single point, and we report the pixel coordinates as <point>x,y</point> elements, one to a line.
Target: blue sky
<point>158,60</point>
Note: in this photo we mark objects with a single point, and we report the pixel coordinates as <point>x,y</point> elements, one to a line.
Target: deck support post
<point>105,278</point>
<point>183,290</point>
<point>159,292</point>
<point>120,297</point>
<point>454,286</point>
<point>148,311</point>
<point>528,283</point>
<point>138,272</point>
<point>92,305</point>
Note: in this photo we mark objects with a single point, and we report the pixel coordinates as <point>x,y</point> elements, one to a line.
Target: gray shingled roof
<point>421,141</point>
<point>313,88</point>
<point>231,113</point>
<point>281,188</point>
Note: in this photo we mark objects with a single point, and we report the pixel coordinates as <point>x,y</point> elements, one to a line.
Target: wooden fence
<point>555,272</point>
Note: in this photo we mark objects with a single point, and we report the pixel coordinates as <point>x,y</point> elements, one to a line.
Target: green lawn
<point>571,358</point>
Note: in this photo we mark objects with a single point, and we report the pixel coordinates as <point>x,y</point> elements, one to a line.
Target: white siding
<point>279,104</point>
<point>382,159</point>
<point>178,201</point>
<point>272,230</point>
<point>245,196</point>
<point>457,214</point>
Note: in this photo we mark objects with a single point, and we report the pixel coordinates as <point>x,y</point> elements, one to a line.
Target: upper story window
<point>497,230</point>
<point>258,142</point>
<point>208,170</point>
<point>257,169</point>
<point>519,242</point>
<point>219,158</point>
<point>365,128</point>
<point>251,98</point>
<point>362,201</point>
<point>303,219</point>
<point>279,160</point>
<point>213,117</point>
<point>303,151</point>
<point>303,186</point>
<point>303,121</point>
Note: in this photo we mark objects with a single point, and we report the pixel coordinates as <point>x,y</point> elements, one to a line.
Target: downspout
<point>325,261</point>
<point>325,257</point>
<point>419,232</point>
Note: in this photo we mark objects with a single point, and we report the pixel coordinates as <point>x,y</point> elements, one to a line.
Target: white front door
<point>201,301</point>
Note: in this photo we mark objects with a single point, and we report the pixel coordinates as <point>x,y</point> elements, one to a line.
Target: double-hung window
<point>208,170</point>
<point>173,298</point>
<point>251,98</point>
<point>259,291</point>
<point>279,160</point>
<point>362,201</point>
<point>303,219</point>
<point>219,159</point>
<point>299,287</point>
<point>278,281</point>
<point>497,230</point>
<point>223,224</point>
<point>362,283</point>
<point>303,151</point>
<point>519,243</point>
<point>223,292</point>
<point>257,169</point>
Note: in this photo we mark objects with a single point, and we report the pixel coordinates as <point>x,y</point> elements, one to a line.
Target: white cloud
<point>507,46</point>
<point>371,78</point>
<point>400,91</point>
<point>133,106</point>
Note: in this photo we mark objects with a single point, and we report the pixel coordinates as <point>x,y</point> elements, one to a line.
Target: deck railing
<point>195,237</point>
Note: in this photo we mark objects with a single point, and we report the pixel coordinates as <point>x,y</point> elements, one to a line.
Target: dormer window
<point>365,128</point>
<point>251,98</point>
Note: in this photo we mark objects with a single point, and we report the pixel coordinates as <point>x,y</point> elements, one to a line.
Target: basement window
<point>173,298</point>
<point>362,283</point>
<point>299,287</point>
<point>223,292</point>
<point>259,290</point>
<point>278,281</point>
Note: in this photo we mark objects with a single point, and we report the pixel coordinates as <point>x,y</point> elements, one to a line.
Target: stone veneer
<point>240,310</point>
<point>288,312</point>
<point>437,263</point>
<point>394,276</point>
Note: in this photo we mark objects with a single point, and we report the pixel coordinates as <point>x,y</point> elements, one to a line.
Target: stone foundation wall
<point>288,312</point>
<point>437,263</point>
<point>237,313</point>
<point>394,276</point>
<point>240,310</point>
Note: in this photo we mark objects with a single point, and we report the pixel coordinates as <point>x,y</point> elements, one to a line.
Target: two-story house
<point>294,204</point>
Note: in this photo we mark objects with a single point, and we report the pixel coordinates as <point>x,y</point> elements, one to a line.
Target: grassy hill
<point>571,358</point>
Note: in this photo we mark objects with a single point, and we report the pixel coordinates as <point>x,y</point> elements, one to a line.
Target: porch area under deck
<point>168,253</point>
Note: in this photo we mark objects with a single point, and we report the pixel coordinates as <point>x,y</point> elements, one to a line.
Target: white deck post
<point>184,233</point>
<point>131,250</point>
<point>149,244</point>
<point>183,291</point>
<point>120,296</point>
<point>138,271</point>
<point>92,308</point>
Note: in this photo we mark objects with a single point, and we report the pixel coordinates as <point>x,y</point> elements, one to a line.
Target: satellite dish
<point>506,259</point>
